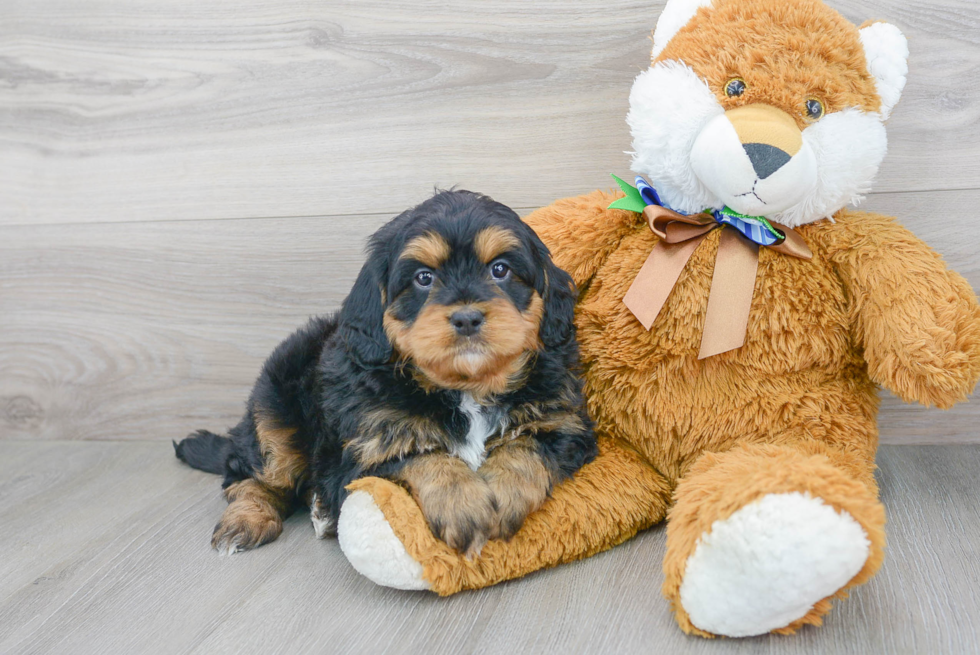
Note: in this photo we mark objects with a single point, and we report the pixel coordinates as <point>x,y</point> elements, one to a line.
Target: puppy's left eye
<point>424,279</point>
<point>499,270</point>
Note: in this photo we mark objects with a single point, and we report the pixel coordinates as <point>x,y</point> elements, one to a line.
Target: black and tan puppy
<point>451,368</point>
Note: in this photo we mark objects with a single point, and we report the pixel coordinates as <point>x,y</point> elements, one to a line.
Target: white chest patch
<point>473,450</point>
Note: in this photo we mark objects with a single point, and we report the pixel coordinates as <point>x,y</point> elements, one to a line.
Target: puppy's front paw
<point>244,525</point>
<point>514,503</point>
<point>463,514</point>
<point>520,482</point>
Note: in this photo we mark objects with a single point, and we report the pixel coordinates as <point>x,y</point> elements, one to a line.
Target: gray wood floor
<point>105,550</point>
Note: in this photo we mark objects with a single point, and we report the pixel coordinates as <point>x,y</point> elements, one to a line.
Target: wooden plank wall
<point>182,182</point>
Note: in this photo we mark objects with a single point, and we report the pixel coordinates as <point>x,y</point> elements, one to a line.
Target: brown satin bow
<point>732,282</point>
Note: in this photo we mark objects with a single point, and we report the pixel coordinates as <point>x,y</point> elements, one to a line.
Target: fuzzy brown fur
<point>792,410</point>
<point>520,482</point>
<point>493,242</point>
<point>801,391</point>
<point>429,249</point>
<point>606,503</point>
<point>389,433</point>
<point>479,366</point>
<point>720,484</point>
<point>734,40</point>
<point>431,344</point>
<point>253,516</point>
<point>457,501</point>
<point>256,506</point>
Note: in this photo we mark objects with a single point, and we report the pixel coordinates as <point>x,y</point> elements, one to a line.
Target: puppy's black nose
<point>766,159</point>
<point>467,321</point>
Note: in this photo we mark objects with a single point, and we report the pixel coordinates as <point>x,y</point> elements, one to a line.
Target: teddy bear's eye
<point>814,109</point>
<point>735,87</point>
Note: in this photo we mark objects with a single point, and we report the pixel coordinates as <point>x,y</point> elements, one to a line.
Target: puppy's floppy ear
<point>361,323</point>
<point>559,294</point>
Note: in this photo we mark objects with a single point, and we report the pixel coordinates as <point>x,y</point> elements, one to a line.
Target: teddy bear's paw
<point>372,548</point>
<point>767,564</point>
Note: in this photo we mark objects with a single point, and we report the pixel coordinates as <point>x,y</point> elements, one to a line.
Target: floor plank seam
<point>164,221</point>
<point>520,209</point>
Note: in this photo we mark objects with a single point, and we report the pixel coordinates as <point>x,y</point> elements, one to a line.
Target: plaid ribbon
<point>754,228</point>
<point>751,228</point>
<point>736,263</point>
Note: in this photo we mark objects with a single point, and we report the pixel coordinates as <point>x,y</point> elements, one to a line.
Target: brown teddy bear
<point>733,332</point>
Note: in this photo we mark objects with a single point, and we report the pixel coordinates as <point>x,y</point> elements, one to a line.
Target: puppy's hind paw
<point>227,545</point>
<point>244,526</point>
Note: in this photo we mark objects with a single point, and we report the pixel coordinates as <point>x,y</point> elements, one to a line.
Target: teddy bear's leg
<point>761,537</point>
<point>385,537</point>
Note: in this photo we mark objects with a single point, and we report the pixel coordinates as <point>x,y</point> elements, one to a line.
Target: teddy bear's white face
<point>750,133</point>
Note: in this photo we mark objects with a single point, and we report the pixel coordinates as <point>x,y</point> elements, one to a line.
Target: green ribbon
<point>635,202</point>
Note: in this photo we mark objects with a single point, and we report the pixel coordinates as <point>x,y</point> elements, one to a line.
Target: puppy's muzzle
<point>467,321</point>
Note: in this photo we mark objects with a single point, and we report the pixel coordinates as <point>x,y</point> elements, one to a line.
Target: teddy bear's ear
<point>675,16</point>
<point>887,52</point>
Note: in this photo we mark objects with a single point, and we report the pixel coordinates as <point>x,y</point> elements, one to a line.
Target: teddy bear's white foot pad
<point>372,548</point>
<point>767,564</point>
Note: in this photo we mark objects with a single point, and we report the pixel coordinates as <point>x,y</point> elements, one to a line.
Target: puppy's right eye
<point>499,270</point>
<point>424,279</point>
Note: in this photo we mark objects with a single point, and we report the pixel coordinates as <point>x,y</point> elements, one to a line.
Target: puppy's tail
<point>206,451</point>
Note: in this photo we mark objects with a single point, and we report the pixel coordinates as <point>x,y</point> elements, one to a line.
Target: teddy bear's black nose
<point>467,321</point>
<point>766,159</point>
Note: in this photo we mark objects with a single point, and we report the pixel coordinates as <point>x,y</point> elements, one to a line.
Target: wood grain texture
<point>106,550</point>
<point>125,314</point>
<point>151,330</point>
<point>129,110</point>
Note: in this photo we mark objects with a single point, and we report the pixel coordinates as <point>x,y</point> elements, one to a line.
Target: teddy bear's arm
<point>581,232</point>
<point>605,503</point>
<point>919,322</point>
